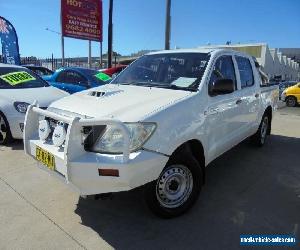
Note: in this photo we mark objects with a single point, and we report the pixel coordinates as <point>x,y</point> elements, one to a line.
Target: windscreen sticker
<point>183,81</point>
<point>103,77</point>
<point>15,78</point>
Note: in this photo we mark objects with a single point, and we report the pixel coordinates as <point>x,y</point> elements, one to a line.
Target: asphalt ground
<point>248,190</point>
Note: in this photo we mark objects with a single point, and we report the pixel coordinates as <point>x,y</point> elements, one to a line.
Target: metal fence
<point>55,63</point>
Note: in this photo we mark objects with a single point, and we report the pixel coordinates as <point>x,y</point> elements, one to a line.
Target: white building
<point>274,62</point>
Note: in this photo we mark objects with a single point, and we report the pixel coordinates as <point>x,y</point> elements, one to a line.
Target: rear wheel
<point>291,101</point>
<point>5,135</point>
<point>177,188</point>
<point>259,138</point>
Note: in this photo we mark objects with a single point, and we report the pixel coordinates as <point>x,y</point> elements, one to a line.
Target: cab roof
<point>211,50</point>
<point>5,65</point>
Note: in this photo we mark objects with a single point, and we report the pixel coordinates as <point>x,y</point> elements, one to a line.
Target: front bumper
<point>79,169</point>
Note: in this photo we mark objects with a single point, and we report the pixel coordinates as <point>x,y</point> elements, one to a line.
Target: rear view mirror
<point>222,86</point>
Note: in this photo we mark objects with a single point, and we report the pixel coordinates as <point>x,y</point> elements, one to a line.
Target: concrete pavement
<point>248,190</point>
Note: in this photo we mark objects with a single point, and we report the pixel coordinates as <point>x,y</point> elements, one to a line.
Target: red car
<point>114,70</point>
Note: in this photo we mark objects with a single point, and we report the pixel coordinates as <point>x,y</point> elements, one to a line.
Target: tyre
<point>259,138</point>
<point>291,101</point>
<point>5,135</point>
<point>177,188</point>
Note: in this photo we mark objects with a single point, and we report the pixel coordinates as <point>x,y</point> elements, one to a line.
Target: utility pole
<point>168,24</point>
<point>62,41</point>
<point>90,54</point>
<point>110,31</point>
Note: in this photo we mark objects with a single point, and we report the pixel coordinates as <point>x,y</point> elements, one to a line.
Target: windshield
<point>170,70</point>
<point>19,78</point>
<point>41,71</point>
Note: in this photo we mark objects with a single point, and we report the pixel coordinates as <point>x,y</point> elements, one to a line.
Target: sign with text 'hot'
<point>82,19</point>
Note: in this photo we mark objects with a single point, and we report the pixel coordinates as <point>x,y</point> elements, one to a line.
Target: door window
<point>245,70</point>
<point>223,69</point>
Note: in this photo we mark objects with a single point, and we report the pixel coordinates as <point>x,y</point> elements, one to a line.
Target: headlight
<point>112,140</point>
<point>21,106</point>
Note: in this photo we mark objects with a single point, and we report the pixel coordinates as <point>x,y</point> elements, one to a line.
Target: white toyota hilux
<point>160,122</point>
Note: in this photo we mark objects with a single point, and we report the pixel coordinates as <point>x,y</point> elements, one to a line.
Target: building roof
<point>293,53</point>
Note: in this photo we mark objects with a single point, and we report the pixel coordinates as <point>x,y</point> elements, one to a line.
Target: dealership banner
<point>82,19</point>
<point>9,42</point>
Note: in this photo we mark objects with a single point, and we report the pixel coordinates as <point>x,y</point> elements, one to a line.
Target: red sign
<point>82,19</point>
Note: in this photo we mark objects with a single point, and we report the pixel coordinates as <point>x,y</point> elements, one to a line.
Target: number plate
<point>45,157</point>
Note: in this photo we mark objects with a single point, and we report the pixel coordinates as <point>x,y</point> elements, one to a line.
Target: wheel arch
<point>269,112</point>
<point>195,147</point>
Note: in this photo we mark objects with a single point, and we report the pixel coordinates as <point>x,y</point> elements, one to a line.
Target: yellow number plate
<point>45,157</point>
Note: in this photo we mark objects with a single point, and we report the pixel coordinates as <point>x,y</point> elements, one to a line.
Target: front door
<point>222,114</point>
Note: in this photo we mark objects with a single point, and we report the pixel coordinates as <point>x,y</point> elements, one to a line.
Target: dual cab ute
<point>160,122</point>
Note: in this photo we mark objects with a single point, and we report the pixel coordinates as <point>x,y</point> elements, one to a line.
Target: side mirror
<point>222,86</point>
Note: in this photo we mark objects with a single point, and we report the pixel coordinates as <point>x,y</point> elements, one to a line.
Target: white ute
<point>160,122</point>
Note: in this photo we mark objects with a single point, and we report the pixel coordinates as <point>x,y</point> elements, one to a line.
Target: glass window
<point>246,72</point>
<point>167,70</point>
<point>42,71</point>
<point>223,69</point>
<point>72,77</point>
<point>20,78</point>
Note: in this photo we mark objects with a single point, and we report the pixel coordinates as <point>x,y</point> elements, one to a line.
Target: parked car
<point>73,79</point>
<point>20,87</point>
<point>114,71</point>
<point>159,123</point>
<point>39,70</point>
<point>291,95</point>
<point>285,85</point>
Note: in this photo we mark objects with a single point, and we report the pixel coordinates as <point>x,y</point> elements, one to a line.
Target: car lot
<point>248,190</point>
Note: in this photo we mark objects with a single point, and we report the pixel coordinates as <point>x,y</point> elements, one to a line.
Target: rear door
<point>223,110</point>
<point>249,95</point>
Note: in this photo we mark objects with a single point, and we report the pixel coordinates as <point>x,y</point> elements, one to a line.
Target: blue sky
<point>139,24</point>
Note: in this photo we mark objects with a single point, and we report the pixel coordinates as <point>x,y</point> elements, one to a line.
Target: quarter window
<point>246,72</point>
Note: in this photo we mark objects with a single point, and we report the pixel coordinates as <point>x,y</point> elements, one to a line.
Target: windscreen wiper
<point>179,87</point>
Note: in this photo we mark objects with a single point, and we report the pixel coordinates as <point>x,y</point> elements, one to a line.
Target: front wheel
<point>5,135</point>
<point>291,101</point>
<point>177,188</point>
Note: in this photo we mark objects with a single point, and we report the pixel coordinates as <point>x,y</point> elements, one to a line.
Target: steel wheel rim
<point>264,129</point>
<point>174,186</point>
<point>3,129</point>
